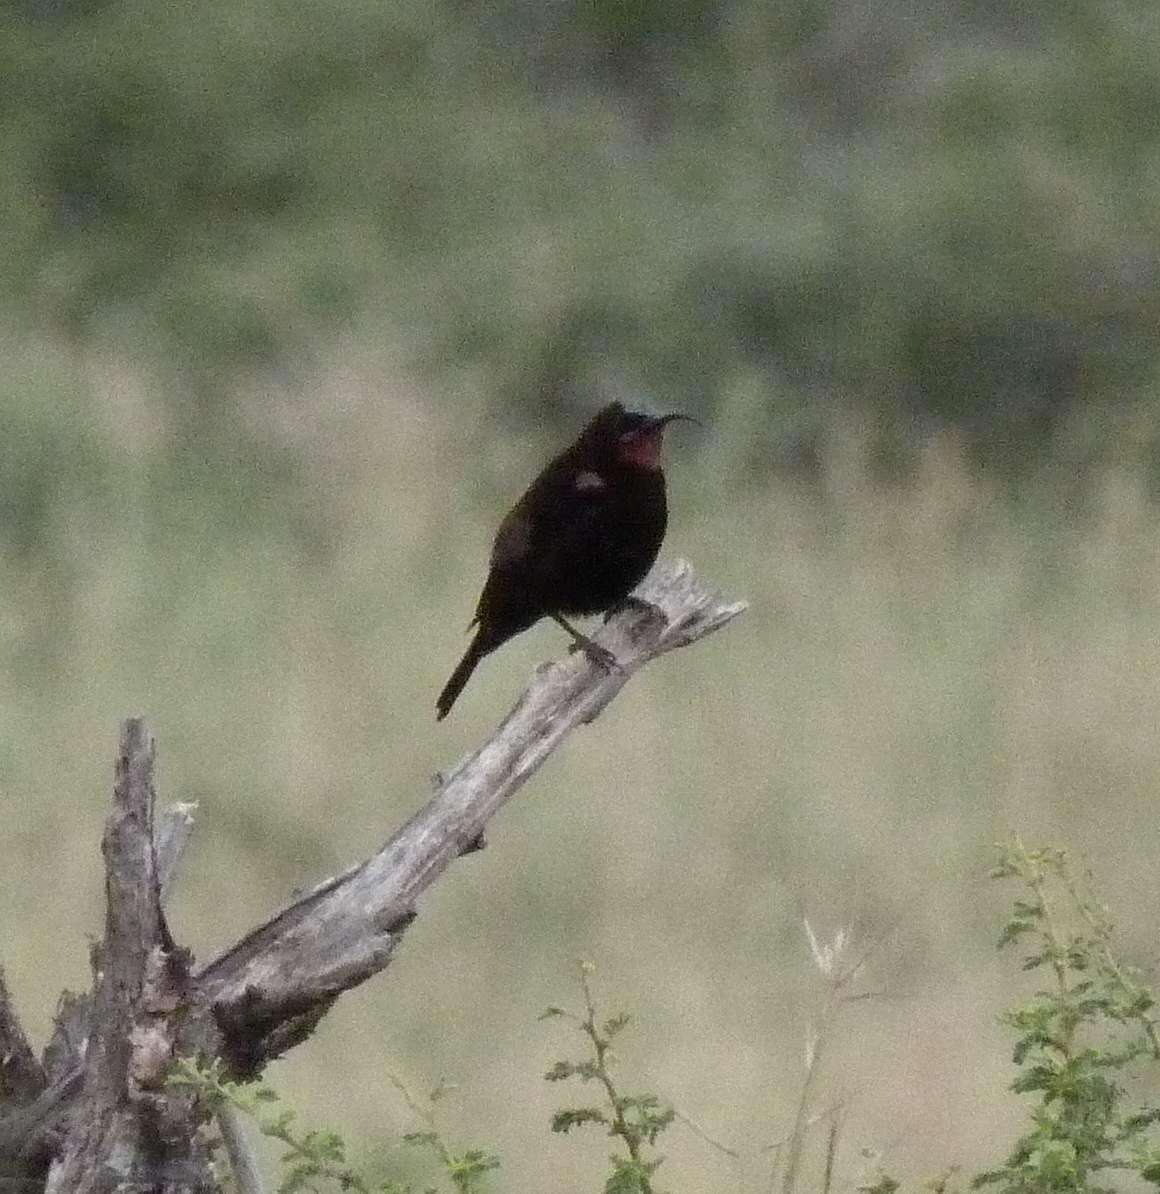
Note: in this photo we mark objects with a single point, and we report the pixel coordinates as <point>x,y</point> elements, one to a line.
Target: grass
<point>1086,1045</point>
<point>925,668</point>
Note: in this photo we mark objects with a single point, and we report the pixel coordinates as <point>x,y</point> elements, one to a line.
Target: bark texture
<point>97,1107</point>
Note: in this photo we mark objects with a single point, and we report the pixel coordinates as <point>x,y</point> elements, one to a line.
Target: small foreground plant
<point>839,965</point>
<point>634,1119</point>
<point>315,1161</point>
<point>1078,1039</point>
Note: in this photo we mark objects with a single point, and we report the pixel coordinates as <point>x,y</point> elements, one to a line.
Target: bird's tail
<point>480,646</point>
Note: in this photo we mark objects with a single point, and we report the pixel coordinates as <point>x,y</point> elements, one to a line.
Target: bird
<point>582,537</point>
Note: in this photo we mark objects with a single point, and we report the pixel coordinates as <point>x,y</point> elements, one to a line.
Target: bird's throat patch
<point>642,449</point>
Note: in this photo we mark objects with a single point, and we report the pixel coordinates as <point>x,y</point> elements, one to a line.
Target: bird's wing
<point>513,540</point>
<point>548,517</point>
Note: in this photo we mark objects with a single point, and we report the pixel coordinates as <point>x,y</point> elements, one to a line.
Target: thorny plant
<point>1079,1038</point>
<point>315,1161</point>
<point>635,1120</point>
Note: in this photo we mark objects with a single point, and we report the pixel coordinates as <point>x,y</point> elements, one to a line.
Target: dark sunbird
<point>579,541</point>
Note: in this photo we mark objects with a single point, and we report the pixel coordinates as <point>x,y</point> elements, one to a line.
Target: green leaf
<point>884,1185</point>
<point>628,1177</point>
<point>616,1024</point>
<point>573,1117</point>
<point>1012,931</point>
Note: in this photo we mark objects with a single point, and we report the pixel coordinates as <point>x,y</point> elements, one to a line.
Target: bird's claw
<point>639,604</point>
<point>602,657</point>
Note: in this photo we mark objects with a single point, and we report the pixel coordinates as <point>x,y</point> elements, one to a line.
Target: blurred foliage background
<point>298,296</point>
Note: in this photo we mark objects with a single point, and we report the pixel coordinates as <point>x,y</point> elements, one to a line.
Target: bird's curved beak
<point>663,421</point>
<point>642,447</point>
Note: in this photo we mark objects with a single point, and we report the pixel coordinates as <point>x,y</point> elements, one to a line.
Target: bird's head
<point>630,437</point>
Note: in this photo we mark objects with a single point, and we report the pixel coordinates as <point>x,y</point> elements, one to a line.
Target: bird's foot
<point>601,656</point>
<point>639,604</point>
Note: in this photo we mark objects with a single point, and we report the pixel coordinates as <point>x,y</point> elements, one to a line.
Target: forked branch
<point>267,992</point>
<point>278,980</point>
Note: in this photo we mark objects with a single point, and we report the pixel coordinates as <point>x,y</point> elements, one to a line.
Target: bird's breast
<point>609,543</point>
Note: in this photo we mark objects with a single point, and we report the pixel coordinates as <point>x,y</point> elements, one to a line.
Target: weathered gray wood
<point>22,1081</point>
<point>70,1034</point>
<point>245,1163</point>
<point>171,835</point>
<point>31,1130</point>
<point>272,986</point>
<point>266,993</point>
<point>21,1075</point>
<point>127,1129</point>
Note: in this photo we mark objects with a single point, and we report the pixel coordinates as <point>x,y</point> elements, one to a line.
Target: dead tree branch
<point>31,1111</point>
<point>128,1129</point>
<point>21,1075</point>
<point>276,982</point>
<point>268,991</point>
